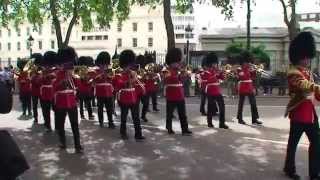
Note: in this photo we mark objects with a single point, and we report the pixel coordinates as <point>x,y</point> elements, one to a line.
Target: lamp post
<point>30,41</point>
<point>188,30</point>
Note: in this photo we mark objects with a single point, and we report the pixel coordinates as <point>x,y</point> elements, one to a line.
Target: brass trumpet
<point>260,69</point>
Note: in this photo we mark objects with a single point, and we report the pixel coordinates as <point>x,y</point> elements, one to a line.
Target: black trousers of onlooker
<point>26,103</point>
<point>46,107</point>
<point>312,132</point>
<point>181,107</point>
<point>106,102</point>
<point>253,104</point>
<point>135,117</point>
<point>212,103</point>
<point>73,118</point>
<point>85,100</point>
<point>35,100</point>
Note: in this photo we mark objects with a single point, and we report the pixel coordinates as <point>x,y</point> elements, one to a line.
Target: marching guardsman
<point>24,83</point>
<point>246,74</point>
<point>174,91</point>
<point>104,88</point>
<point>301,109</point>
<point>46,88</point>
<point>35,84</point>
<point>213,77</point>
<point>129,90</point>
<point>85,88</point>
<point>65,98</point>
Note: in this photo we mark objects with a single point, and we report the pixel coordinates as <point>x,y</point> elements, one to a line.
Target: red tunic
<point>103,86</point>
<point>65,94</point>
<point>245,77</point>
<point>203,78</point>
<point>128,95</point>
<point>173,86</point>
<point>24,84</point>
<point>304,111</point>
<point>150,82</point>
<point>46,89</point>
<point>36,84</point>
<point>213,82</point>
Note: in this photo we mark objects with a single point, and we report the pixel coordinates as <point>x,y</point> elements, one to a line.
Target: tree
<point>185,5</point>
<point>290,20</point>
<point>61,11</point>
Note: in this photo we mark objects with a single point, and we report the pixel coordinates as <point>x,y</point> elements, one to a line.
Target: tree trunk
<point>168,23</point>
<point>248,24</point>
<point>56,22</point>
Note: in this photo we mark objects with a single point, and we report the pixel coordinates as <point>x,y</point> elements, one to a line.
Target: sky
<point>265,13</point>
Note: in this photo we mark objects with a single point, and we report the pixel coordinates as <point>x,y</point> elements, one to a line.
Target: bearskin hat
<point>245,57</point>
<point>37,58</point>
<point>174,55</point>
<point>141,60</point>
<point>302,46</point>
<point>82,61</point>
<point>49,58</point>
<point>21,63</point>
<point>103,58</point>
<point>127,57</point>
<point>211,58</point>
<point>67,56</point>
<point>149,58</point>
<point>90,61</point>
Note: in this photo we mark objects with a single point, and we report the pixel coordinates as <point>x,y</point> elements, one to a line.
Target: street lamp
<point>188,30</point>
<point>30,41</point>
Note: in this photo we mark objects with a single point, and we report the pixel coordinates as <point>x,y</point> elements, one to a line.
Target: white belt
<point>246,81</point>
<point>47,86</point>
<point>103,84</point>
<point>127,89</point>
<point>66,91</point>
<point>173,85</point>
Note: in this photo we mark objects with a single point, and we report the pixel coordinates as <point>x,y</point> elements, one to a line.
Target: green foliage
<point>258,53</point>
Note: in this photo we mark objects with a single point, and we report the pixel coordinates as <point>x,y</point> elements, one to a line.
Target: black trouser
<point>73,118</point>
<point>135,117</point>
<point>106,102</point>
<point>212,104</point>
<point>93,101</point>
<point>253,104</point>
<point>181,106</point>
<point>312,132</point>
<point>154,99</point>
<point>46,107</point>
<point>26,103</point>
<point>145,105</point>
<point>203,98</point>
<point>35,100</point>
<point>85,100</point>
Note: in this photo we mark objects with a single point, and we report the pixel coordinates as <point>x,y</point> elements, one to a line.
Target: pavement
<point>244,152</point>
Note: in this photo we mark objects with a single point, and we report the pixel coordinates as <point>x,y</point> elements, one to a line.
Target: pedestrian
<point>174,91</point>
<point>130,90</point>
<point>104,88</point>
<point>65,98</point>
<point>246,74</point>
<point>301,110</point>
<point>213,76</point>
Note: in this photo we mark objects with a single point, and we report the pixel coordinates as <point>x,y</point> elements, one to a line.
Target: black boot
<point>223,126</point>
<point>186,132</point>
<point>256,122</point>
<point>240,121</point>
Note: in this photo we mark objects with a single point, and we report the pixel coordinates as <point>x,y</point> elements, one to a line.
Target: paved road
<point>243,152</point>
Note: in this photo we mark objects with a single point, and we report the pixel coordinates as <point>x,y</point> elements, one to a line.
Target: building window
<point>179,36</point>
<point>28,31</point>
<point>90,38</point>
<point>9,46</point>
<point>40,44</point>
<point>179,27</point>
<point>150,42</point>
<point>134,42</point>
<point>98,37</point>
<point>9,32</point>
<point>119,27</point>
<point>150,26</point>
<point>52,45</point>
<point>135,27</point>
<point>28,45</point>
<point>83,38</point>
<point>119,42</point>
<point>18,46</point>
<point>105,37</point>
<point>0,46</point>
<point>19,32</point>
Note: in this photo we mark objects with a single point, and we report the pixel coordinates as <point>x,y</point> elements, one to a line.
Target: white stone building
<point>144,30</point>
